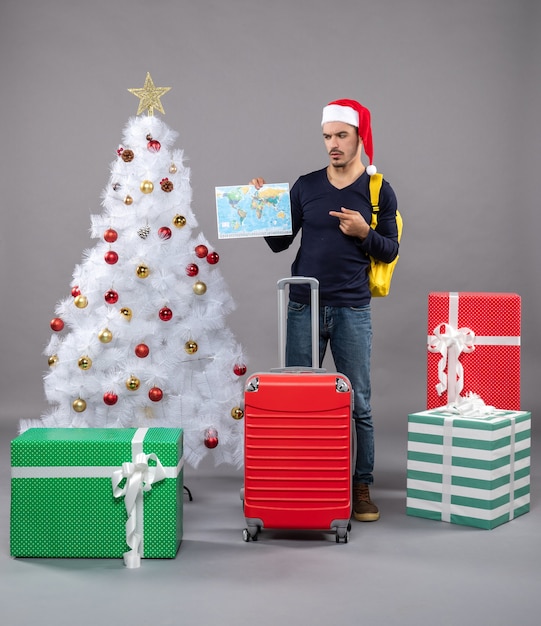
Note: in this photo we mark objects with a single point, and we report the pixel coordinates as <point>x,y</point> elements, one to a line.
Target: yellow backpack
<point>380,273</point>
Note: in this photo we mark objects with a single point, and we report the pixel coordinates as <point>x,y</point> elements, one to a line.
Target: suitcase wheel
<point>342,534</point>
<point>251,533</point>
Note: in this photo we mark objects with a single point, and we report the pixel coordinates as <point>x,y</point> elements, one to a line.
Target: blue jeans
<point>349,332</point>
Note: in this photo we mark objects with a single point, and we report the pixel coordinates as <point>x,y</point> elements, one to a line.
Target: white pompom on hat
<point>353,113</point>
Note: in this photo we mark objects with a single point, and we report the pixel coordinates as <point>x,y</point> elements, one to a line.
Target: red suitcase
<point>298,433</point>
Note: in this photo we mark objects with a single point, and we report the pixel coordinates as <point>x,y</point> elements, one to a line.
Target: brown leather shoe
<point>364,510</point>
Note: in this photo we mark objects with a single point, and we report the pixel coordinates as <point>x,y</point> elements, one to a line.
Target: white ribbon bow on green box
<point>139,477</point>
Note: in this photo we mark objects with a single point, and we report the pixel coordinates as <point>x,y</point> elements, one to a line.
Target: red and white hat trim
<point>353,113</point>
<point>339,113</point>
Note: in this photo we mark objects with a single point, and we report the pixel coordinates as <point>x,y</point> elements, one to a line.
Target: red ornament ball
<point>164,232</point>
<point>57,324</point>
<point>201,251</point>
<point>192,269</point>
<point>165,314</point>
<point>142,350</point>
<point>110,398</point>
<point>239,369</point>
<point>110,235</point>
<point>211,438</point>
<point>155,394</point>
<point>213,258</point>
<point>111,257</point>
<point>154,145</point>
<point>111,296</point>
<point>75,291</point>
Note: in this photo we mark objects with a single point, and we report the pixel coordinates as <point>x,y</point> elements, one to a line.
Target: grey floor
<point>399,570</point>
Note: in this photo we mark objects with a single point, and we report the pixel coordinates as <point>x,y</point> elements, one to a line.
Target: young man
<point>332,208</point>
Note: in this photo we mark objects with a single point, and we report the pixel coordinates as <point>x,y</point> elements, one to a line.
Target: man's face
<point>342,143</point>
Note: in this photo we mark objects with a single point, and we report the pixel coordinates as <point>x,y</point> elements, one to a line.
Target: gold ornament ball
<point>147,186</point>
<point>237,413</point>
<point>142,271</point>
<point>199,288</point>
<point>133,383</point>
<point>105,335</point>
<point>126,313</point>
<point>179,221</point>
<point>128,200</point>
<point>172,168</point>
<point>191,347</point>
<point>81,302</point>
<point>85,363</point>
<point>79,405</point>
<point>53,360</point>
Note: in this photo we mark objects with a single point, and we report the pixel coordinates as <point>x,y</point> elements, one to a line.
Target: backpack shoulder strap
<point>376,181</point>
<point>375,188</point>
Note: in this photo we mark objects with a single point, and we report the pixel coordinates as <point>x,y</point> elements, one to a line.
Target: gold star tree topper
<point>149,96</point>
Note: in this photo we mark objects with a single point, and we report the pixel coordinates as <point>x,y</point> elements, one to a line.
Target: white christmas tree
<point>142,339</point>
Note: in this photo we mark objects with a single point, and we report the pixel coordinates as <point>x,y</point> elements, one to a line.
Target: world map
<point>244,211</point>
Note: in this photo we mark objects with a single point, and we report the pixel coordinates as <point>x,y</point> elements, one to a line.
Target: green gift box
<point>97,492</point>
<point>473,471</point>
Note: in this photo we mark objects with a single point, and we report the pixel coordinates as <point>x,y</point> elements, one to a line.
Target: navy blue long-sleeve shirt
<point>338,261</point>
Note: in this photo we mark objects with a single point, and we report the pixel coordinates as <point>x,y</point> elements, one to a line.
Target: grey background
<point>454,88</point>
<point>454,91</point>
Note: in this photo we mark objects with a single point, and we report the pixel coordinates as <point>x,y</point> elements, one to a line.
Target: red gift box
<point>474,346</point>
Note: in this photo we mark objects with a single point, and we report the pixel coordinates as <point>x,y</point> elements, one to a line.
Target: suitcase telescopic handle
<point>314,308</point>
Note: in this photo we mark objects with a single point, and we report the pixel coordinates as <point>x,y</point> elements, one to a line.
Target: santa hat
<point>351,112</point>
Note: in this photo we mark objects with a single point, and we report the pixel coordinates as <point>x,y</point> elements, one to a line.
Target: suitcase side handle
<point>314,308</point>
